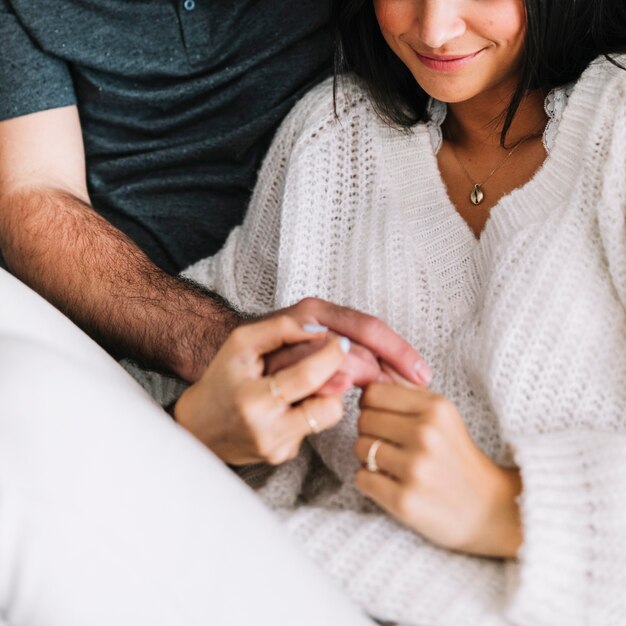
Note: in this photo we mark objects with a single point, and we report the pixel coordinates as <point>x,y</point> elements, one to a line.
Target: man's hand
<point>54,241</point>
<point>377,353</point>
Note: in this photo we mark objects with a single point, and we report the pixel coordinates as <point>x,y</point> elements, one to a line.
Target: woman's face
<point>456,49</point>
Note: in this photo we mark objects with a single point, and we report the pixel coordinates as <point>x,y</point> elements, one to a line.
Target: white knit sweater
<point>524,329</point>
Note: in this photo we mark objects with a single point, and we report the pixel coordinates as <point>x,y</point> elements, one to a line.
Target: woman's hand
<point>245,417</point>
<point>431,475</point>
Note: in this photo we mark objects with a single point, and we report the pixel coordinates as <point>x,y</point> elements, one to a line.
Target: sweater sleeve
<point>612,184</point>
<point>572,566</point>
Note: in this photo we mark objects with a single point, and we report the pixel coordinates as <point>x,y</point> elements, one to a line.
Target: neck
<point>479,121</point>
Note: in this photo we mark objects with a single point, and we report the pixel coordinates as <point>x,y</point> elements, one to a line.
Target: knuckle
<point>363,354</point>
<point>306,378</point>
<point>273,458</point>
<point>440,406</point>
<point>430,437</point>
<point>404,504</point>
<point>284,322</point>
<point>404,351</point>
<point>459,536</point>
<point>291,454</point>
<point>423,474</point>
<point>370,394</point>
<point>375,328</point>
<point>335,409</point>
<point>282,455</point>
<point>308,304</point>
<point>264,449</point>
<point>238,337</point>
<point>415,470</point>
<point>241,402</point>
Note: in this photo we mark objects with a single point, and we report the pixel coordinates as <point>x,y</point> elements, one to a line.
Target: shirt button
<point>189,5</point>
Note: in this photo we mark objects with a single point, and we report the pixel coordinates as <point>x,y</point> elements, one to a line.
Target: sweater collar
<point>554,105</point>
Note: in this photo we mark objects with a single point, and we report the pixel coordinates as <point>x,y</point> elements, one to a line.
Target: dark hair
<point>562,38</point>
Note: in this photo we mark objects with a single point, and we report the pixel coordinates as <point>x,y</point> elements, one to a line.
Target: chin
<point>449,94</point>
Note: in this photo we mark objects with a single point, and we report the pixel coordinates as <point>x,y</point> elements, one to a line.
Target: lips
<point>447,63</point>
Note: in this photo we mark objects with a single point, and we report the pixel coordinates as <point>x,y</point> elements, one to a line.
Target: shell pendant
<point>477,195</point>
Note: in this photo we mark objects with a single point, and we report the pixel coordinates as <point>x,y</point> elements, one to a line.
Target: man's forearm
<point>98,277</point>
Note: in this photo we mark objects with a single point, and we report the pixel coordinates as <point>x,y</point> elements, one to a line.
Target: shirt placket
<point>196,28</point>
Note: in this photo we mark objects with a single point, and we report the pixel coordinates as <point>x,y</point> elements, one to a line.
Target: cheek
<point>394,16</point>
<point>506,22</point>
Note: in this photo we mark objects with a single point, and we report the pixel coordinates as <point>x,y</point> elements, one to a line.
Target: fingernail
<point>344,344</point>
<point>315,328</point>
<point>423,371</point>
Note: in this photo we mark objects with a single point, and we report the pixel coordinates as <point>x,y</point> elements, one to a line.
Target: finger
<point>270,334</point>
<point>289,354</point>
<point>364,354</point>
<point>375,335</point>
<point>390,459</point>
<point>315,415</point>
<point>395,377</point>
<point>362,366</point>
<point>398,399</point>
<point>338,384</point>
<point>393,427</point>
<point>306,377</point>
<point>382,489</point>
<point>384,378</point>
<point>361,372</point>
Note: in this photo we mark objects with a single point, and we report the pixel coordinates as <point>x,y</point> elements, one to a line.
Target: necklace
<point>478,195</point>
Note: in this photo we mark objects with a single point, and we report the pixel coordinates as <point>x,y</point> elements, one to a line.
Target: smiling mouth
<point>447,63</point>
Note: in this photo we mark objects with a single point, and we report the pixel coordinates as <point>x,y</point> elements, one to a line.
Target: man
<point>130,141</point>
<point>130,137</point>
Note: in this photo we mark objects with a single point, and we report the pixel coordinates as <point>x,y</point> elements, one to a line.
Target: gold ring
<point>371,464</point>
<point>311,421</point>
<point>275,390</point>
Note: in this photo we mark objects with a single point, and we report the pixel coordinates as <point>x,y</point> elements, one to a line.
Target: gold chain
<point>477,195</point>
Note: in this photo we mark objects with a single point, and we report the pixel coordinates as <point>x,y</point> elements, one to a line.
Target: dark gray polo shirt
<point>178,101</point>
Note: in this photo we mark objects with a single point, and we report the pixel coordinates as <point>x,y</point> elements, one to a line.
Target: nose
<point>439,21</point>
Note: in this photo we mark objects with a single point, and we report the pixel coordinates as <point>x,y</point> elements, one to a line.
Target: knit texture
<point>524,329</point>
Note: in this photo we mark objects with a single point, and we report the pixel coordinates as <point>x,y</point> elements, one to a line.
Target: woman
<point>468,187</point>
